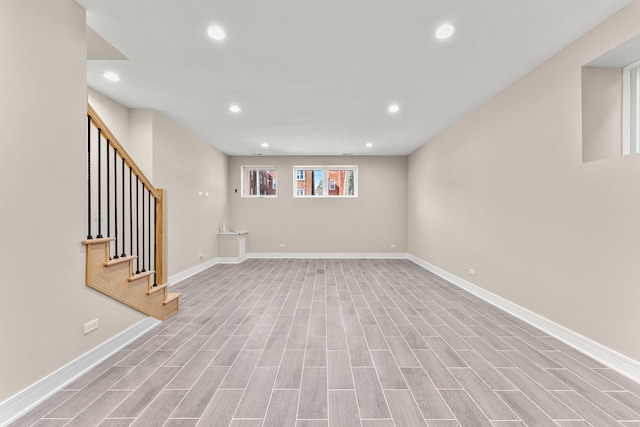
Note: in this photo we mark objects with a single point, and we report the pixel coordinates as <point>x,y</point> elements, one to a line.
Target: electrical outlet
<point>90,326</point>
<point>201,256</point>
<point>393,246</point>
<point>472,272</point>
<point>282,245</point>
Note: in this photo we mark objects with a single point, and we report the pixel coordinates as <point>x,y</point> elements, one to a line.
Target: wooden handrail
<point>113,141</point>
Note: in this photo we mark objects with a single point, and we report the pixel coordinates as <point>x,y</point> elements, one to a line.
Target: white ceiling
<point>316,77</point>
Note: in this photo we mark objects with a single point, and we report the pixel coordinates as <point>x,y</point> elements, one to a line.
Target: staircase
<point>129,262</point>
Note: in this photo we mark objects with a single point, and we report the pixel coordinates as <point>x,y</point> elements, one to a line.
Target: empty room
<point>320,214</point>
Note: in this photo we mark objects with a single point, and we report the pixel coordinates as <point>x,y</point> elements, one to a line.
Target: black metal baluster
<point>89,178</point>
<point>130,211</point>
<point>115,198</point>
<point>143,269</point>
<point>124,231</point>
<point>149,228</point>
<point>99,236</point>
<point>137,223</point>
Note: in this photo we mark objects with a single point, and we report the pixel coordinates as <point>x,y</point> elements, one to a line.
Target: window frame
<point>325,181</point>
<point>243,172</point>
<point>631,108</point>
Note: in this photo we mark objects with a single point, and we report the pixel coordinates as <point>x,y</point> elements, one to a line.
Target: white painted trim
<point>33,395</point>
<point>607,356</point>
<point>192,271</point>
<point>629,113</point>
<point>322,255</point>
<point>231,260</point>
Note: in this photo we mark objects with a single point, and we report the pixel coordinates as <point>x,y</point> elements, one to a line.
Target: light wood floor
<point>312,343</point>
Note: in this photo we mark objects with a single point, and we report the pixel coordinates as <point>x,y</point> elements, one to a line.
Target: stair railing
<point>122,197</point>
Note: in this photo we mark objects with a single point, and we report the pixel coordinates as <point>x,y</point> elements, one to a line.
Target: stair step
<point>141,275</point>
<point>156,289</point>
<point>170,297</point>
<point>119,260</point>
<point>96,241</point>
<point>115,278</point>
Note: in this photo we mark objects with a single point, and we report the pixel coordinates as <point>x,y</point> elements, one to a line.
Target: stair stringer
<point>118,282</point>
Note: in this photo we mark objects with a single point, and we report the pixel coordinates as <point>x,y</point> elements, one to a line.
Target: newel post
<point>161,238</point>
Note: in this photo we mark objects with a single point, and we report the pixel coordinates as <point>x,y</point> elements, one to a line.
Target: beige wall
<point>185,165</point>
<point>113,114</point>
<point>601,113</point>
<point>43,194</point>
<point>370,223</point>
<point>140,144</point>
<point>504,191</point>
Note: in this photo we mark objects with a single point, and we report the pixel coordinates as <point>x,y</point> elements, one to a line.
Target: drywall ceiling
<point>316,77</point>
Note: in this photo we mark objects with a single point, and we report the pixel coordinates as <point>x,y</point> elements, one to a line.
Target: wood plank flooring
<point>329,343</point>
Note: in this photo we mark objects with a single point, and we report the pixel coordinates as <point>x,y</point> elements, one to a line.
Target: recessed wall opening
<point>611,103</point>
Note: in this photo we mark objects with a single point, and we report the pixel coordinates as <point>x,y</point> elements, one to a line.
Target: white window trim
<point>630,125</point>
<point>244,168</point>
<point>325,181</point>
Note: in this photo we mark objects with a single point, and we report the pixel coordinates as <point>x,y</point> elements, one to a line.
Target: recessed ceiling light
<point>216,32</point>
<point>445,31</point>
<point>234,108</point>
<point>265,145</point>
<point>369,144</point>
<point>394,108</point>
<point>111,76</point>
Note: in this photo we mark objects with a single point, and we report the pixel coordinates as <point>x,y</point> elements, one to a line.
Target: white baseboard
<point>607,356</point>
<point>231,260</point>
<point>172,280</point>
<point>33,395</point>
<point>319,255</point>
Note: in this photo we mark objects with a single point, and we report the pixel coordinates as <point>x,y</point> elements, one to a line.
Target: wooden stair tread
<point>119,260</point>
<point>141,275</point>
<point>96,241</point>
<point>171,296</point>
<point>156,289</point>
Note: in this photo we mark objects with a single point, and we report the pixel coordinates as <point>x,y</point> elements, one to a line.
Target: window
<point>258,181</point>
<point>631,108</point>
<point>325,181</point>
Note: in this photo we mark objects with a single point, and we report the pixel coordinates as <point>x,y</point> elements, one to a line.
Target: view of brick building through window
<point>260,182</point>
<point>310,182</point>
